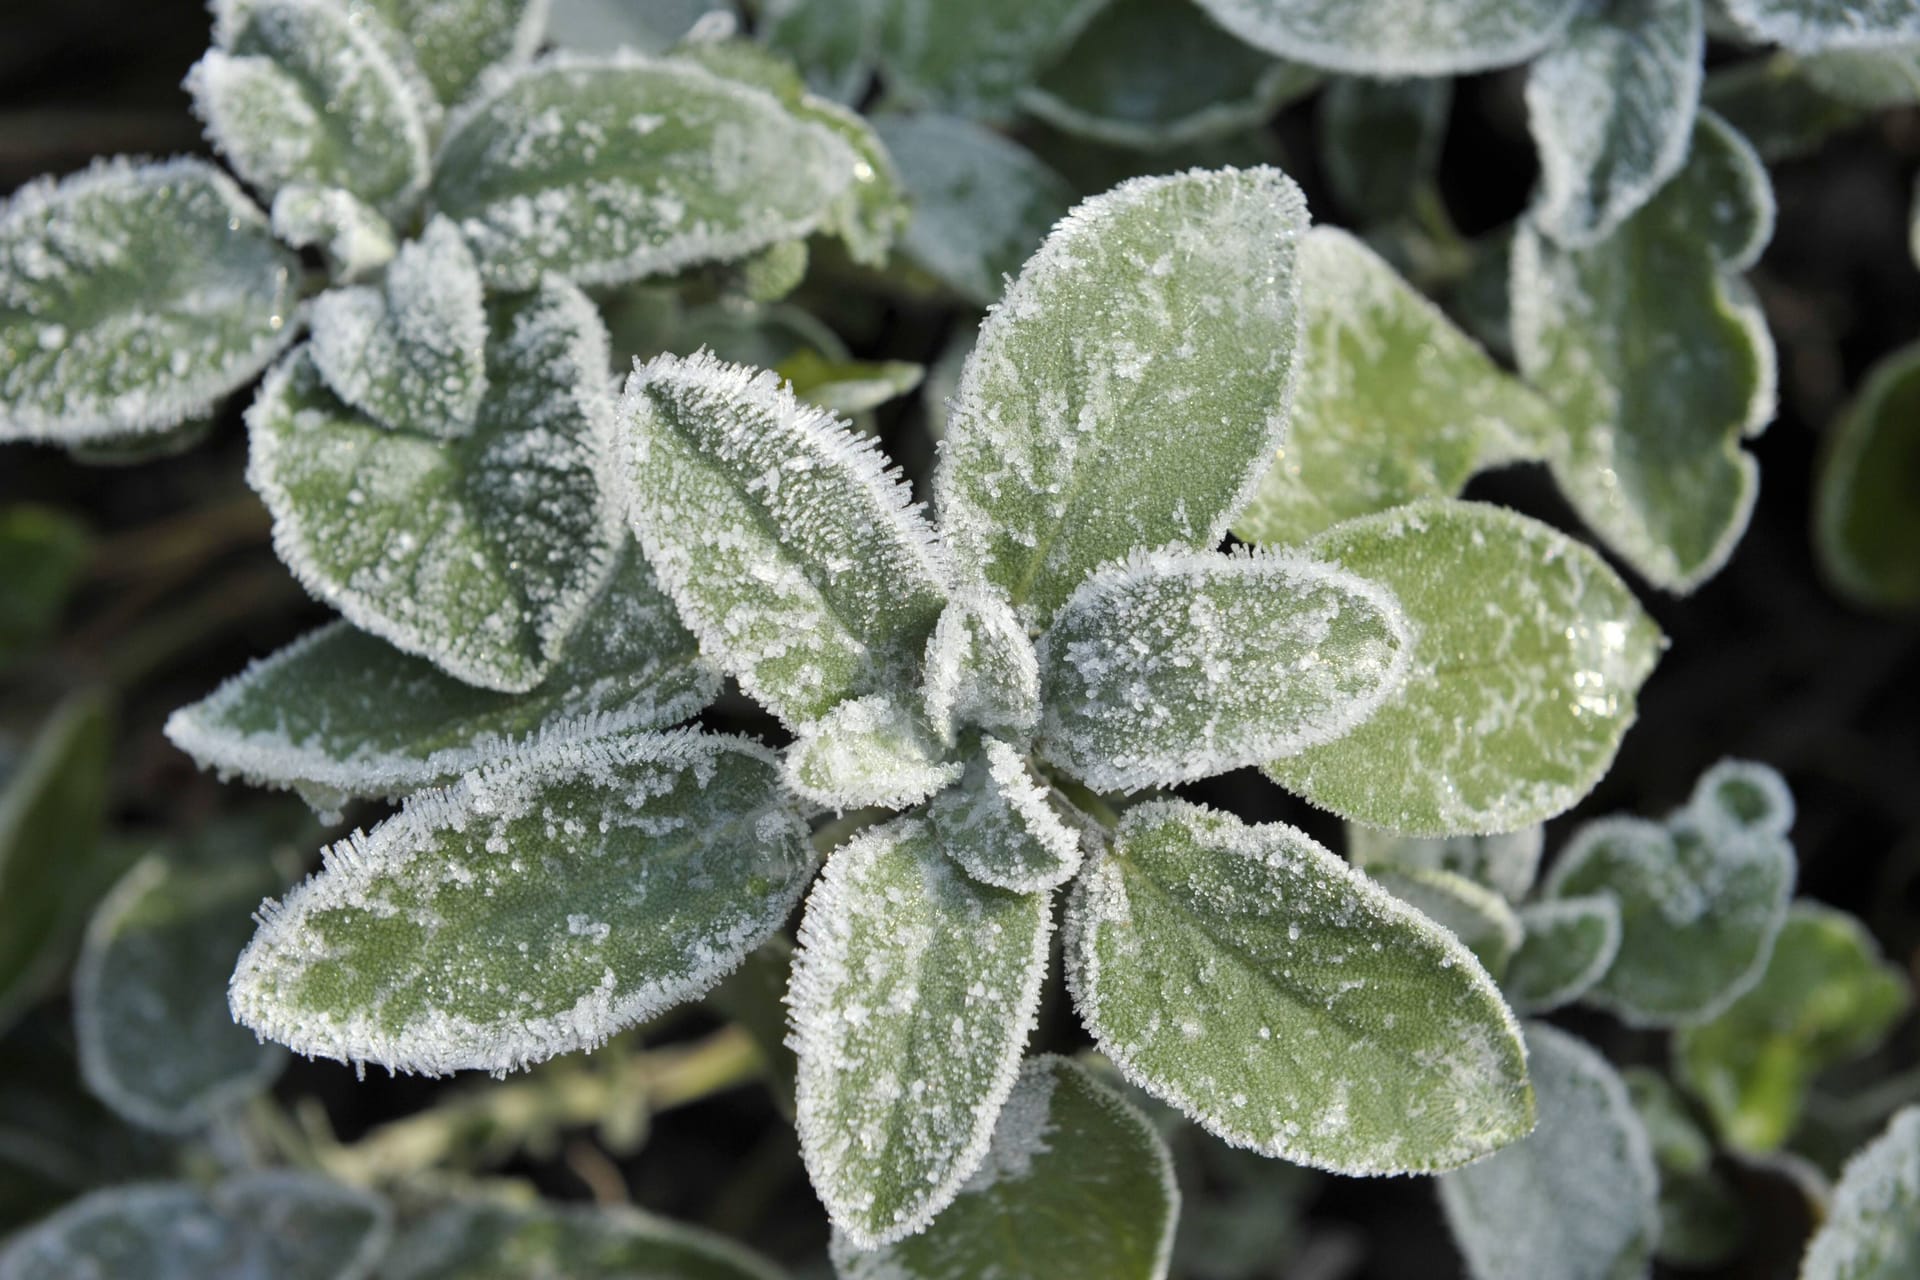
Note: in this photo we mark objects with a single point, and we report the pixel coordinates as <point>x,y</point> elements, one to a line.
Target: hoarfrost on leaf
<point>868,751</point>
<point>981,670</point>
<point>1807,26</point>
<point>1473,913</point>
<point>1570,944</point>
<point>1505,863</point>
<point>1397,37</point>
<point>454,41</point>
<point>1002,825</point>
<point>354,237</point>
<point>1872,1230</point>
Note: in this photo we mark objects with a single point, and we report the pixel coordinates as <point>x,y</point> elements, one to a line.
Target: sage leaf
<point>1611,108</point>
<point>793,550</point>
<point>1505,863</point>
<point>868,751</point>
<point>1570,944</point>
<point>1397,37</point>
<point>1476,915</point>
<point>132,297</point>
<point>534,908</point>
<point>453,41</point>
<point>1076,1182</point>
<point>848,386</point>
<point>1000,824</point>
<point>1380,143</point>
<point>1807,26</point>
<point>1577,1198</point>
<point>480,1240</point>
<point>354,237</point>
<point>1132,387</point>
<point>1872,1230</point>
<point>1873,79</point>
<point>1826,997</point>
<point>981,670</point>
<point>973,60</point>
<point>1865,523</point>
<point>1771,103</point>
<point>1701,1217</point>
<point>835,45</point>
<point>913,992</point>
<point>480,554</point>
<point>1287,1003</point>
<point>1393,402</point>
<point>1180,665</point>
<point>1511,709</point>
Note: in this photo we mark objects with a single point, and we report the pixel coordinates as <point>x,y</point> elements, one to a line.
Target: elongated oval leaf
<point>973,59</point>
<point>1865,522</point>
<point>455,40</point>
<point>913,993</point>
<point>354,237</point>
<point>1397,37</point>
<point>479,554</point>
<point>610,169</point>
<point>480,1240</point>
<point>1570,944</point>
<point>1514,702</point>
<point>793,551</point>
<point>1473,913</point>
<point>1077,1182</point>
<point>1132,387</point>
<point>868,751</point>
<point>534,908</point>
<point>132,297</point>
<point>981,670</point>
<point>1807,26</point>
<point>1000,823</point>
<point>1577,1197</point>
<point>1872,1231</point>
<point>1505,863</point>
<point>1287,1003</point>
<point>1176,666</point>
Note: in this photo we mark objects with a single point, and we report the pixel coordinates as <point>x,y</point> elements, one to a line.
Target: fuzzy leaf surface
<point>868,751</point>
<point>1397,37</point>
<point>1001,825</point>
<point>1872,1231</point>
<point>1570,944</point>
<point>1506,864</point>
<point>479,1240</point>
<point>1473,913</point>
<point>1807,26</point>
<point>354,237</point>
<point>981,670</point>
<point>1866,524</point>
<point>453,41</point>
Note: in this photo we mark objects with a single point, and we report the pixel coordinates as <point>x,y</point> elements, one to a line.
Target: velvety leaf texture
<point>354,237</point>
<point>1872,1231</point>
<point>1570,944</point>
<point>1397,37</point>
<point>1866,524</point>
<point>1476,915</point>
<point>1000,823</point>
<point>479,1240</point>
<point>1811,25</point>
<point>981,670</point>
<point>455,40</point>
<point>868,751</point>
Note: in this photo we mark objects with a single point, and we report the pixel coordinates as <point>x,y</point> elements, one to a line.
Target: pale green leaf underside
<point>479,1240</point>
<point>285,1225</point>
<point>913,993</point>
<point>1504,863</point>
<point>534,908</point>
<point>1570,943</point>
<point>1476,915</point>
<point>1397,37</point>
<point>972,59</point>
<point>1578,1197</point>
<point>340,711</point>
<point>1287,1003</point>
<point>354,237</point>
<point>1076,1183</point>
<point>1872,1231</point>
<point>479,554</point>
<point>1001,823</point>
<point>1131,388</point>
<point>132,297</point>
<point>607,170</point>
<point>1810,25</point>
<point>868,751</point>
<point>1393,402</point>
<point>1866,523</point>
<point>1180,665</point>
<point>793,551</point>
<point>1380,143</point>
<point>455,40</point>
<point>1516,695</point>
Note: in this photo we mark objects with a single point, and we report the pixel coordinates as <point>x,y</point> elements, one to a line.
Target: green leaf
<point>1286,1002</point>
<point>1872,1231</point>
<point>973,59</point>
<point>1506,863</point>
<point>307,92</point>
<point>355,238</point>
<point>1826,997</point>
<point>1180,665</point>
<point>868,751</point>
<point>1085,429</point>
<point>1476,915</point>
<point>534,908</point>
<point>913,993</point>
<point>1076,1183</point>
<point>1808,25</point>
<point>1514,703</point>
<point>1772,104</point>
<point>1701,1217</point>
<point>42,555</point>
<point>1393,402</point>
<point>794,552</point>
<point>1380,144</point>
<point>982,203</point>
<point>606,170</point>
<point>1003,826</point>
<point>1570,944</point>
<point>1875,79</point>
<point>132,297</point>
<point>342,712</point>
<point>835,45</point>
<point>1577,1197</point>
<point>1679,1145</point>
<point>1154,74</point>
<point>455,40</point>
<point>981,670</point>
<point>290,1226</point>
<point>479,554</point>
<point>138,448</point>
<point>1658,359</point>
<point>1866,523</point>
<point>477,1240</point>
<point>848,386</point>
<point>1397,37</point>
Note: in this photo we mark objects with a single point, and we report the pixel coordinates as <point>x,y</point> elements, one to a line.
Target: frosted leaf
<point>291,1226</point>
<point>453,41</point>
<point>868,751</point>
<point>484,1240</point>
<point>1701,1217</point>
<point>411,354</point>
<point>835,45</point>
<point>1286,1002</point>
<point>1000,823</point>
<point>982,203</point>
<point>1809,25</point>
<point>1873,79</point>
<point>1772,104</point>
<point>1380,144</point>
<point>1149,74</point>
<point>355,238</point>
<point>132,297</point>
<point>609,169</point>
<point>306,92</point>
<point>1576,1200</point>
<point>1393,402</point>
<point>344,712</point>
<point>847,387</point>
<point>973,59</point>
<point>1473,913</point>
<point>1570,944</point>
<point>534,908</point>
<point>1131,388</point>
<point>1611,108</point>
<point>981,670</point>
<point>1505,863</point>
<point>913,993</point>
<point>1827,996</point>
<point>1397,37</point>
<point>1515,699</point>
<point>794,551</point>
<point>1872,1230</point>
<point>480,554</point>
<point>1866,523</point>
<point>1658,360</point>
<point>1180,665</point>
<point>1740,795</point>
<point>1076,1183</point>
